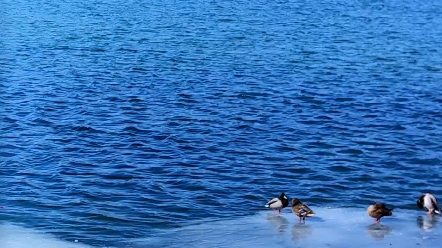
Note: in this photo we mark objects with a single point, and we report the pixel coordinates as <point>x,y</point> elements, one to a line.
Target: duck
<point>278,203</point>
<point>379,210</point>
<point>428,201</point>
<point>301,210</point>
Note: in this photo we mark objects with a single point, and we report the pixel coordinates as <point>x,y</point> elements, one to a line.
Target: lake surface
<point>122,122</point>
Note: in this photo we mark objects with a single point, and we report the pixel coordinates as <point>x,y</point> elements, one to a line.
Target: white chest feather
<point>427,202</point>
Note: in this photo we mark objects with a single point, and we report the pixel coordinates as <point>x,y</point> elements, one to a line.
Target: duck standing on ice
<point>301,210</point>
<point>428,201</point>
<point>379,210</point>
<point>278,203</point>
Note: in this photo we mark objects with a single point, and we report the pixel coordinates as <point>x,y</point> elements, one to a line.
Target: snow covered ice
<point>12,236</point>
<point>331,227</point>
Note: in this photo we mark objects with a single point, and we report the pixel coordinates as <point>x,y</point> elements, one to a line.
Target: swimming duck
<point>379,210</point>
<point>301,210</point>
<point>428,201</point>
<point>278,203</point>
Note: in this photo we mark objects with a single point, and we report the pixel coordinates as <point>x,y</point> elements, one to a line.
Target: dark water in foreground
<point>119,119</point>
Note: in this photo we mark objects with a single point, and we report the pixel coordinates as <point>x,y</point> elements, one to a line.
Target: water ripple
<point>118,117</point>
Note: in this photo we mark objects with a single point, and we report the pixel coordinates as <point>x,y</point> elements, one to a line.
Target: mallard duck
<point>278,203</point>
<point>301,210</point>
<point>379,210</point>
<point>428,201</point>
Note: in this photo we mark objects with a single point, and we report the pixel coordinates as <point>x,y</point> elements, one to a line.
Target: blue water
<point>122,120</point>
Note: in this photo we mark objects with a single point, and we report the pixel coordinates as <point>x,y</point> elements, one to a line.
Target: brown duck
<point>379,210</point>
<point>301,210</point>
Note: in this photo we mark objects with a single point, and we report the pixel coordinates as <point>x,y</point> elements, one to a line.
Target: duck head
<point>283,196</point>
<point>295,201</point>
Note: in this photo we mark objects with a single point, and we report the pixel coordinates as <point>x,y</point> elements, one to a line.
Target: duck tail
<point>437,211</point>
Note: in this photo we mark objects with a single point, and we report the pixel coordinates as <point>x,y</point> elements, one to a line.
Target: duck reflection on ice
<point>300,230</point>
<point>278,221</point>
<point>428,222</point>
<point>378,231</point>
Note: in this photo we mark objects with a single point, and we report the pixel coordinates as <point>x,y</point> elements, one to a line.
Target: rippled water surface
<point>120,119</point>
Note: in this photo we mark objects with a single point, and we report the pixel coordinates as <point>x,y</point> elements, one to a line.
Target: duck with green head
<point>278,203</point>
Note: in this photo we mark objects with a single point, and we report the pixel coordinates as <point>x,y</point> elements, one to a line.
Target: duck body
<point>379,210</point>
<point>429,201</point>
<point>278,203</point>
<point>301,210</point>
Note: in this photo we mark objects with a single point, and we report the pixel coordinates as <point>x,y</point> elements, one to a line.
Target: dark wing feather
<point>306,209</point>
<point>302,210</point>
<point>420,202</point>
<point>383,211</point>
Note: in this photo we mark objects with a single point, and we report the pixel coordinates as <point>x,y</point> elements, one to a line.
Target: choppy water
<point>122,119</point>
